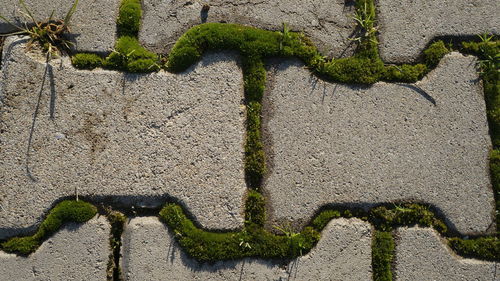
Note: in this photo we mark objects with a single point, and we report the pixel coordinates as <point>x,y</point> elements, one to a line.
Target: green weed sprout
<point>365,21</point>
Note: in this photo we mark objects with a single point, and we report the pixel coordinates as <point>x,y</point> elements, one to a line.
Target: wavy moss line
<point>255,241</point>
<point>64,212</point>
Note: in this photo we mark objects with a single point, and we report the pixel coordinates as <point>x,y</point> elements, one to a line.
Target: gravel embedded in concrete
<point>328,23</point>
<point>92,27</point>
<point>422,255</point>
<point>339,144</point>
<point>406,28</point>
<point>136,138</point>
<point>76,252</point>
<point>149,252</point>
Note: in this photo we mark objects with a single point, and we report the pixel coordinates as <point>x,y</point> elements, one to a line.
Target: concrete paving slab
<point>407,27</point>
<point>422,255</point>
<point>338,144</point>
<point>76,252</point>
<point>328,23</point>
<point>93,25</point>
<point>126,138</point>
<point>149,252</point>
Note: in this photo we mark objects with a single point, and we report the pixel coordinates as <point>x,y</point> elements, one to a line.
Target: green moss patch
<point>487,248</point>
<point>129,18</point>
<point>253,241</point>
<point>130,56</point>
<point>64,212</point>
<point>435,53</point>
<point>87,61</point>
<point>382,255</point>
<point>387,218</point>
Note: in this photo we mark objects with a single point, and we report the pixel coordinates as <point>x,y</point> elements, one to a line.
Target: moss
<point>64,212</point>
<point>130,56</point>
<point>249,41</point>
<point>255,209</point>
<point>382,255</point>
<point>253,241</point>
<point>365,67</point>
<point>129,18</point>
<point>489,65</point>
<point>354,70</point>
<point>405,73</point>
<point>87,61</point>
<point>495,180</point>
<point>117,221</point>
<point>488,52</point>
<point>386,219</point>
<point>487,248</point>
<point>255,168</point>
<point>435,53</point>
<point>321,220</point>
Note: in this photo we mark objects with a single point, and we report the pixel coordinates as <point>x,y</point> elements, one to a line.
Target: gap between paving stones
<point>345,242</point>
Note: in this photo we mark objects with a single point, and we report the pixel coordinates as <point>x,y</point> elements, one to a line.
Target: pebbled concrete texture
<point>76,252</point>
<point>93,25</point>
<point>149,252</point>
<point>406,28</point>
<point>124,138</point>
<point>338,144</point>
<point>421,252</point>
<point>328,23</point>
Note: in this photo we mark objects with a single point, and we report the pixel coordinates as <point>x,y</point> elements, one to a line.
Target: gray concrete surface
<point>149,253</point>
<point>93,25</point>
<point>407,27</point>
<point>136,138</point>
<point>328,23</point>
<point>422,255</point>
<point>76,252</point>
<point>339,144</point>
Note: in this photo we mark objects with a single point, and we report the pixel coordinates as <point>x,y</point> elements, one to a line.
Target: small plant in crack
<point>490,61</point>
<point>50,34</point>
<point>286,35</point>
<point>244,244</point>
<point>286,230</point>
<point>485,37</point>
<point>365,21</point>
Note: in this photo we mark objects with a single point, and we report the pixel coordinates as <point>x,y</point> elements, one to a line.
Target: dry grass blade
<point>27,12</point>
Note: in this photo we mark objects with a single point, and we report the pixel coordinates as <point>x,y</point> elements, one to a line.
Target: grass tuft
<point>50,33</point>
